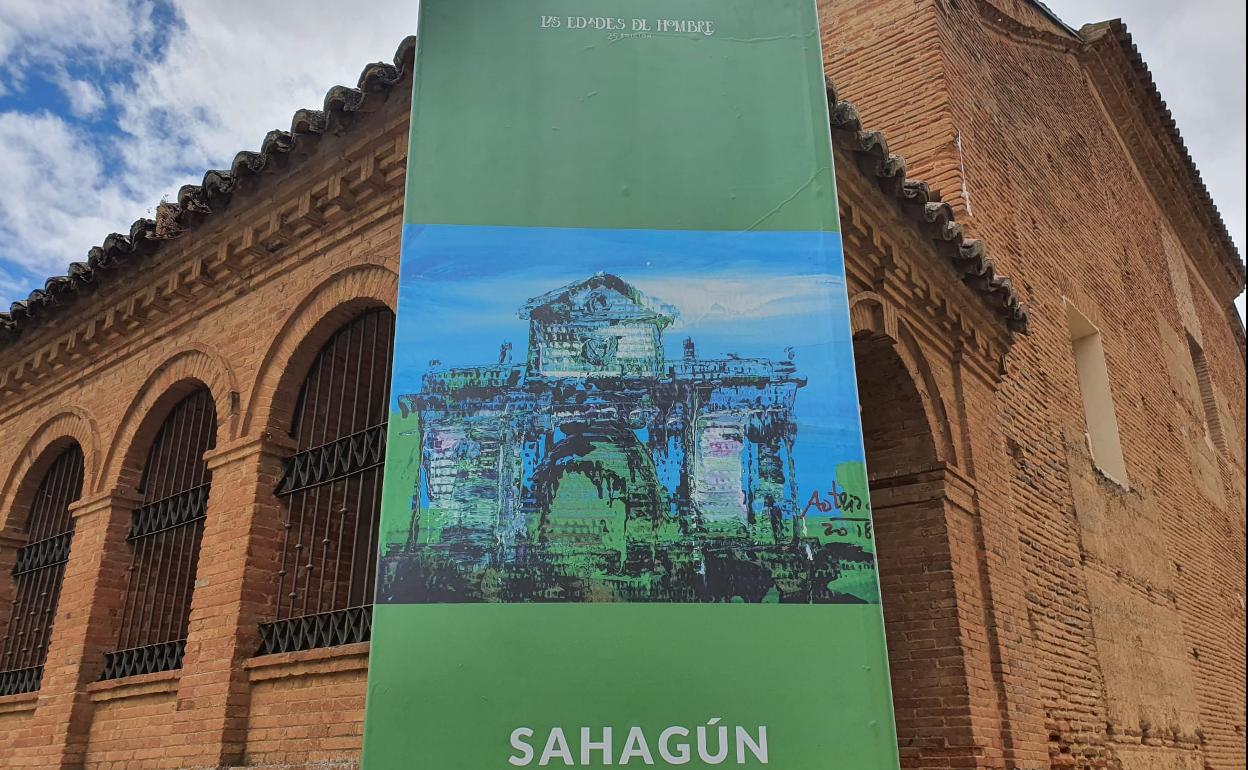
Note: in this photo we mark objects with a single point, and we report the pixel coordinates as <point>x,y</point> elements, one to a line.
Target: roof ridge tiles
<point>1116,30</point>
<point>194,202</point>
<point>968,257</point>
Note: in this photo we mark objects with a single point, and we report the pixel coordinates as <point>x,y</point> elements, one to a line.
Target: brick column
<point>85,628</point>
<point>234,587</point>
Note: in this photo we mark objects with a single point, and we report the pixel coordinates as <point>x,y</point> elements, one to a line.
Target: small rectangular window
<point>1208,402</point>
<point>1098,401</point>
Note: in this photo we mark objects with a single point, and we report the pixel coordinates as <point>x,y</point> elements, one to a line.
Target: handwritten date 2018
<point>843,528</point>
<point>840,500</point>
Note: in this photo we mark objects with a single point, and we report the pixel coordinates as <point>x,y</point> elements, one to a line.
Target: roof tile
<point>196,202</point>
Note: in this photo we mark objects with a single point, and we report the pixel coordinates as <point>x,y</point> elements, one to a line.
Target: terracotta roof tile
<point>197,202</point>
<point>934,217</point>
<point>1186,173</point>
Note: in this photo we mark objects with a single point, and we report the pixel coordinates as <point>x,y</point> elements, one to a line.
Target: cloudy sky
<point>106,106</point>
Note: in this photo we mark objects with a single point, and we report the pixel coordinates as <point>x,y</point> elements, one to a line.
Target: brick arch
<point>934,403</point>
<point>172,380</point>
<point>905,446</point>
<point>870,315</point>
<point>326,308</point>
<point>874,322</point>
<point>47,442</point>
<point>899,427</point>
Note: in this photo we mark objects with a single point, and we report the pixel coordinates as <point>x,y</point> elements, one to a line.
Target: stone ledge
<point>323,660</point>
<point>347,764</point>
<point>134,686</point>
<point>19,703</point>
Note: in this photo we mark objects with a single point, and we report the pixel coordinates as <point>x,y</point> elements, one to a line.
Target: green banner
<point>625,516</point>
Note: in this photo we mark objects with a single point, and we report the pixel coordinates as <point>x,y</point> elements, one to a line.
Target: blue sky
<point>751,294</point>
<point>108,106</point>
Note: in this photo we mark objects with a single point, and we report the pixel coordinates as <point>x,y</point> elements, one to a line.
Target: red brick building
<point>1057,458</point>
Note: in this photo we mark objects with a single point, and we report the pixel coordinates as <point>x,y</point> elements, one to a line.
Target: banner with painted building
<point>625,515</point>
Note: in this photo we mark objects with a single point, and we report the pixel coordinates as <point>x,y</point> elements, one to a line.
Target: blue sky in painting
<point>751,294</point>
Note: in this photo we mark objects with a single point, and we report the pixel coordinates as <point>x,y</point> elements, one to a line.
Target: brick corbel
<point>268,444</point>
<point>906,272</point>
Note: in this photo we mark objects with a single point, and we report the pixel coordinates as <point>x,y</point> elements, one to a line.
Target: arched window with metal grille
<point>331,490</point>
<point>37,575</point>
<point>165,534</point>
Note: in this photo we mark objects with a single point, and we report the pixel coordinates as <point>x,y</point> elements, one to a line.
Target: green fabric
<point>517,122</point>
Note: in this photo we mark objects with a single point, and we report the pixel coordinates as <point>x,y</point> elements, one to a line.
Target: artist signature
<point>837,499</point>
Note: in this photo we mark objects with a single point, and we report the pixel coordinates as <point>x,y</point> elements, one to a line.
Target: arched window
<point>165,533</point>
<point>332,492</point>
<point>37,575</point>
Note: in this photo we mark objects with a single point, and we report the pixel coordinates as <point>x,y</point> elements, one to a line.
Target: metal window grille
<point>332,492</point>
<point>165,534</point>
<point>37,575</point>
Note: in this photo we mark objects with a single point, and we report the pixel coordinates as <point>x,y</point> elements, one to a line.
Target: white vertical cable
<point>966,193</point>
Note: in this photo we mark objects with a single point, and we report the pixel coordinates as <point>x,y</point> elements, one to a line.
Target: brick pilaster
<point>1019,710</point>
<point>91,596</point>
<point>233,594</point>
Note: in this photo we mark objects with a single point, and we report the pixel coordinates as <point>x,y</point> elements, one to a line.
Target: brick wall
<point>1038,614</point>
<point>1132,610</point>
<point>247,327</point>
<point>306,707</point>
<point>931,697</point>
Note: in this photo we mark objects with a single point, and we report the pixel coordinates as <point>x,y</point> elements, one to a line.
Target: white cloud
<point>702,302</point>
<point>84,98</point>
<point>226,82</point>
<point>55,202</point>
<point>231,71</point>
<point>9,286</point>
<point>48,31</point>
